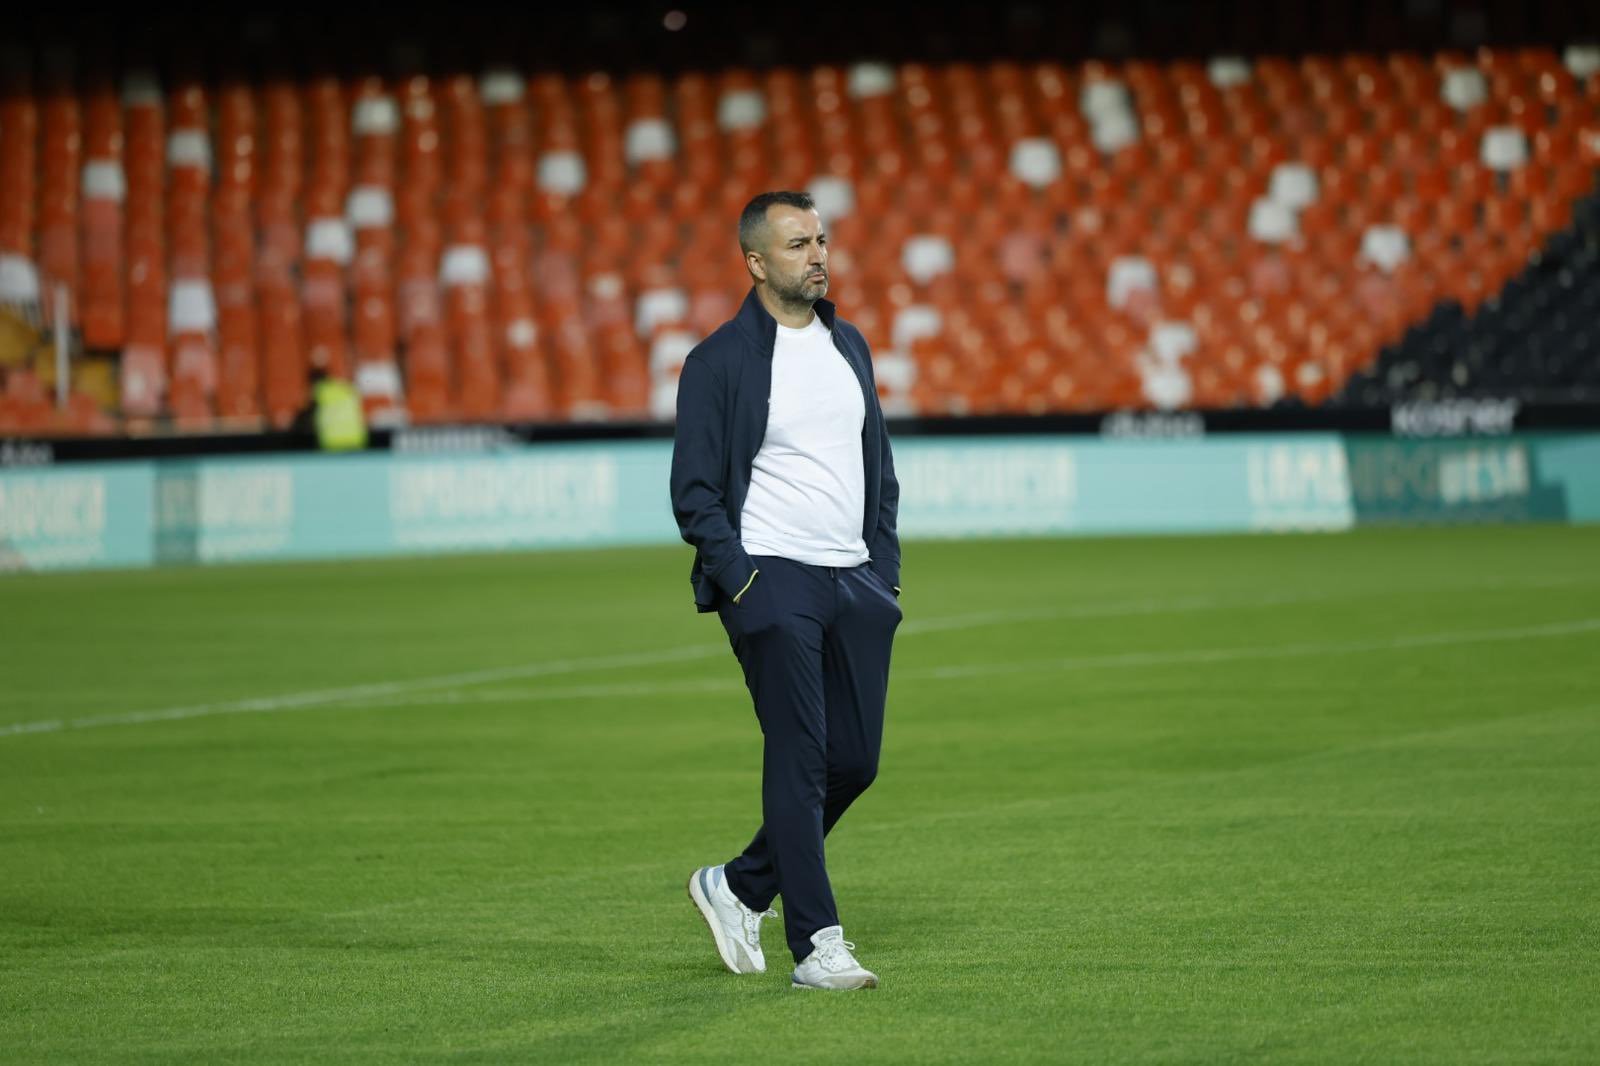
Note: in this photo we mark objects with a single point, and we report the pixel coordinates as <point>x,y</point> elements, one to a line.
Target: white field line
<point>319,697</point>
<point>384,690</point>
<point>1265,651</point>
<point>468,696</point>
<point>1098,610</point>
<point>378,690</point>
<point>1171,605</point>
<point>1114,661</point>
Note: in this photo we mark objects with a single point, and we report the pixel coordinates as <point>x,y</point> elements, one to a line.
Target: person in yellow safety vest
<point>340,420</point>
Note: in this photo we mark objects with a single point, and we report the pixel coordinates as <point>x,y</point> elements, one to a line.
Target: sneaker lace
<point>834,955</point>
<point>752,923</point>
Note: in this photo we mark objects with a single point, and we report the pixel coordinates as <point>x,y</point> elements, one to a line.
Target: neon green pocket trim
<point>747,585</point>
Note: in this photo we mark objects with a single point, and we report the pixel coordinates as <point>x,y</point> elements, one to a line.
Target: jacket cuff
<point>734,578</point>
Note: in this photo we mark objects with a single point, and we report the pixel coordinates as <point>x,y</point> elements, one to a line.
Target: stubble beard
<point>802,294</point>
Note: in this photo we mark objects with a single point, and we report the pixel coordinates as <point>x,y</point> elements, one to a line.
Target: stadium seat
<point>512,243</point>
<point>105,189</point>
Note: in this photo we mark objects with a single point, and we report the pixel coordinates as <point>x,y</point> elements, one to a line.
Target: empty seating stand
<point>1537,337</point>
<point>514,245</point>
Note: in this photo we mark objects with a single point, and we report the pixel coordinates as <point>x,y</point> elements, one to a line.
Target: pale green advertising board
<point>222,509</point>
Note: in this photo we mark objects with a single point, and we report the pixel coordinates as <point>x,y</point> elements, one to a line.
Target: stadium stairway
<point>516,245</point>
<point>1536,339</point>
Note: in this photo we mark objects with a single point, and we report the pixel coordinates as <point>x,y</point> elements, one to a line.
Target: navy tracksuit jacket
<point>813,641</point>
<point>722,418</point>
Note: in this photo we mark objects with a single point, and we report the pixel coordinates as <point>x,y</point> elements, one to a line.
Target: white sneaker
<point>831,966</point>
<point>735,927</point>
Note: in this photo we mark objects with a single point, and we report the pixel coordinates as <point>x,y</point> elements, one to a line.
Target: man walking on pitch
<point>783,483</point>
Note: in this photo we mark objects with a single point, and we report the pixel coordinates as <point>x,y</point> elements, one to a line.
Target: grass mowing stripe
<point>1308,858</point>
<point>380,693</point>
<point>1167,605</point>
<point>298,700</point>
<point>1186,782</point>
<point>1084,802</point>
<point>418,693</point>
<point>1178,657</point>
<point>370,691</point>
<point>1262,651</point>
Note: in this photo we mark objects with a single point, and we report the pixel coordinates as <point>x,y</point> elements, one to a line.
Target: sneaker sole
<point>703,905</point>
<point>871,982</point>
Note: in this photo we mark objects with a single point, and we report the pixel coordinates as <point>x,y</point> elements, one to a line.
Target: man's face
<point>795,261</point>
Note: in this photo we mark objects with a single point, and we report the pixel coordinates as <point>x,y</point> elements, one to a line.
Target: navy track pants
<point>814,644</point>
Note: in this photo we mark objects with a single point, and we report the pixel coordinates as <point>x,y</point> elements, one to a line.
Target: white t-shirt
<point>807,487</point>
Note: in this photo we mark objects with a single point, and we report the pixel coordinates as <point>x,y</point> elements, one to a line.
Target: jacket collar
<point>759,325</point>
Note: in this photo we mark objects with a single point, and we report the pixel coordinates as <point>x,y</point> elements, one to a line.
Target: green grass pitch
<point>1257,799</point>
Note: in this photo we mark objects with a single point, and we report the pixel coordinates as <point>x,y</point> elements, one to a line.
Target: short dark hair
<point>753,219</point>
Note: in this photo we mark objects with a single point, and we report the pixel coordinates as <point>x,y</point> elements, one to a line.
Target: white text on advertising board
<point>1476,475</point>
<point>490,502</point>
<point>1299,486</point>
<point>59,508</point>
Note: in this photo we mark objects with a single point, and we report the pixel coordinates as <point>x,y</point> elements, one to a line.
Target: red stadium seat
<point>634,180</point>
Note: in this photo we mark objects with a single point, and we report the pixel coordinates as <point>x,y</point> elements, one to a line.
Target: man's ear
<point>753,263</point>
